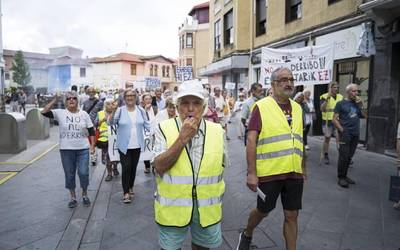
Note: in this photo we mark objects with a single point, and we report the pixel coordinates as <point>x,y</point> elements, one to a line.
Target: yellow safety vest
<point>176,189</point>
<point>279,146</point>
<point>330,106</point>
<point>103,129</point>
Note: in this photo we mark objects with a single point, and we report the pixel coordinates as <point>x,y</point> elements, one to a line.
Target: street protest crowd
<point>181,136</point>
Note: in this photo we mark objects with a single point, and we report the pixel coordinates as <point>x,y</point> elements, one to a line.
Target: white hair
<point>350,86</point>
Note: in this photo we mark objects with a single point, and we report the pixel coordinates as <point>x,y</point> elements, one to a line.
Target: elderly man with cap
<point>189,162</point>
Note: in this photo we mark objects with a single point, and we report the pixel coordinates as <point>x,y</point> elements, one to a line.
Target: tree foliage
<point>20,70</point>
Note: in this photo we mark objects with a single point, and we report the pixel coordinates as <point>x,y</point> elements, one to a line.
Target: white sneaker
<point>307,147</point>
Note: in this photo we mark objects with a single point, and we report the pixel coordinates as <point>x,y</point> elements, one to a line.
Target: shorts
<point>173,237</point>
<point>291,191</point>
<point>328,130</point>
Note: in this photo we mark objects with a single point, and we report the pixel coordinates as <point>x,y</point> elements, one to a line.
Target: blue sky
<point>99,27</point>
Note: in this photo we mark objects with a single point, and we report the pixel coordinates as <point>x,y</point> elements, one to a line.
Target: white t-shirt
<point>73,128</point>
<point>220,103</point>
<point>133,141</point>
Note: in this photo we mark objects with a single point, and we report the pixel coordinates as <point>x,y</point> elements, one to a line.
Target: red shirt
<point>255,123</point>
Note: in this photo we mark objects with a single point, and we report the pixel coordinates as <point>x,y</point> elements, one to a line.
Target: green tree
<point>20,70</point>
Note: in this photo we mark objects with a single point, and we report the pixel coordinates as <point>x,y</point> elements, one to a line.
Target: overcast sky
<point>99,27</point>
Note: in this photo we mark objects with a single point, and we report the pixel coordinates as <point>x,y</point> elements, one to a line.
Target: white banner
<point>309,65</point>
<point>112,143</point>
<point>230,85</point>
<point>147,153</point>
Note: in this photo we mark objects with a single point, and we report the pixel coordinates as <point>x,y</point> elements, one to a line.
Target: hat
<point>191,87</point>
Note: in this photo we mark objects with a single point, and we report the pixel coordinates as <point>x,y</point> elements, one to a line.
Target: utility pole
<point>2,82</point>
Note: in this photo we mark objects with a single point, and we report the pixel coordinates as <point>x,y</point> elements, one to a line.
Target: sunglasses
<point>72,98</point>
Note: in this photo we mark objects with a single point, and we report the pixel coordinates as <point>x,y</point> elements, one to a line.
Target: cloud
<point>99,27</point>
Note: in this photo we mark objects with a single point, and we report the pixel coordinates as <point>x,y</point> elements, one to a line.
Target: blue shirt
<point>349,117</point>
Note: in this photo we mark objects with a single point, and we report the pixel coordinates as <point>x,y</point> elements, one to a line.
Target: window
<point>182,42</point>
<point>332,1</point>
<point>188,61</point>
<point>82,72</point>
<point>228,28</point>
<point>133,69</point>
<point>189,40</point>
<point>167,71</point>
<point>261,17</point>
<point>163,71</point>
<point>7,76</point>
<point>156,70</point>
<point>151,69</point>
<point>217,35</point>
<point>293,10</point>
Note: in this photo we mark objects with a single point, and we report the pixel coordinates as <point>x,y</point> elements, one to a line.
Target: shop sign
<point>309,65</point>
<point>346,42</point>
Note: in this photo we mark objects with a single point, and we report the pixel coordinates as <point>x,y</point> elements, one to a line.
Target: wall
<point>107,75</point>
<point>314,13</point>
<point>76,79</point>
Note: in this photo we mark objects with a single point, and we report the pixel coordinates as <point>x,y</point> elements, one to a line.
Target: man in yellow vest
<point>328,102</point>
<point>189,162</point>
<point>275,163</point>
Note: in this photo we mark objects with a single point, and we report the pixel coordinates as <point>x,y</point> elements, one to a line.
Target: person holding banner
<point>132,123</point>
<point>189,162</point>
<point>328,102</point>
<point>147,154</point>
<point>276,166</point>
<point>102,142</point>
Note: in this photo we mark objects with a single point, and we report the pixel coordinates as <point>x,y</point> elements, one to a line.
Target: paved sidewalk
<point>34,213</point>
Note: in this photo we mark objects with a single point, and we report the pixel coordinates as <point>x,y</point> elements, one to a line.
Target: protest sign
<point>184,73</point>
<point>146,153</point>
<point>152,83</point>
<point>309,65</point>
<point>230,85</point>
<point>112,143</point>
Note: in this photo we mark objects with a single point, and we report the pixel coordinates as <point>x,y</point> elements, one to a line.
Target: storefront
<point>351,65</point>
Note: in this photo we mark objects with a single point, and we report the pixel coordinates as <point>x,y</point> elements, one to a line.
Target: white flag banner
<point>309,65</point>
<point>146,153</point>
<point>112,143</point>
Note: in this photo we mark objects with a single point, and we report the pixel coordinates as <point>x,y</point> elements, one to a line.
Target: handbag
<point>394,189</point>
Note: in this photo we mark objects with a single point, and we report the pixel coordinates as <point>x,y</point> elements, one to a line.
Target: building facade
<point>364,33</point>
<point>56,71</point>
<point>229,44</point>
<point>119,70</point>
<point>194,39</point>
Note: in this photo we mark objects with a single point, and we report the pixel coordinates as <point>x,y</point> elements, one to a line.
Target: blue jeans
<point>73,160</point>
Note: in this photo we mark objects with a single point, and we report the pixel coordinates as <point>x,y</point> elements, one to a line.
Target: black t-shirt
<point>349,117</point>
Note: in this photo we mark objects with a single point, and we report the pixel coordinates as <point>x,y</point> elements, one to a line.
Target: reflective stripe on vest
<point>279,138</point>
<point>280,146</point>
<point>189,179</point>
<point>175,189</point>
<point>187,202</point>
<point>330,106</point>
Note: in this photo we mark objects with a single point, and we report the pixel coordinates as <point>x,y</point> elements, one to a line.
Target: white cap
<point>191,87</point>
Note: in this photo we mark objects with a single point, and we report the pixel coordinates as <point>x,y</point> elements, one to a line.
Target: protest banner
<point>146,153</point>
<point>184,73</point>
<point>112,143</point>
<point>152,83</point>
<point>309,65</point>
<point>230,85</point>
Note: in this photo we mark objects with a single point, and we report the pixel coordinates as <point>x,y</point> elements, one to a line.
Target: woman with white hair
<point>309,115</point>
<point>299,98</point>
<point>101,124</point>
<point>75,127</point>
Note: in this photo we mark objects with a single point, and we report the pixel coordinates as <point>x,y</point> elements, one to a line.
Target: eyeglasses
<point>72,98</point>
<point>285,80</point>
<point>130,95</point>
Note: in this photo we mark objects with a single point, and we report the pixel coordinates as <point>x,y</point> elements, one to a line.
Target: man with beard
<point>275,163</point>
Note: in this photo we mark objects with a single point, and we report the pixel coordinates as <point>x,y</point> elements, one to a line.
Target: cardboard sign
<point>309,65</point>
<point>147,152</point>
<point>184,73</point>
<point>112,143</point>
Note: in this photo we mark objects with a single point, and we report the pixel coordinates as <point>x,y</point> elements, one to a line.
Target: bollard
<point>37,126</point>
<point>12,133</point>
